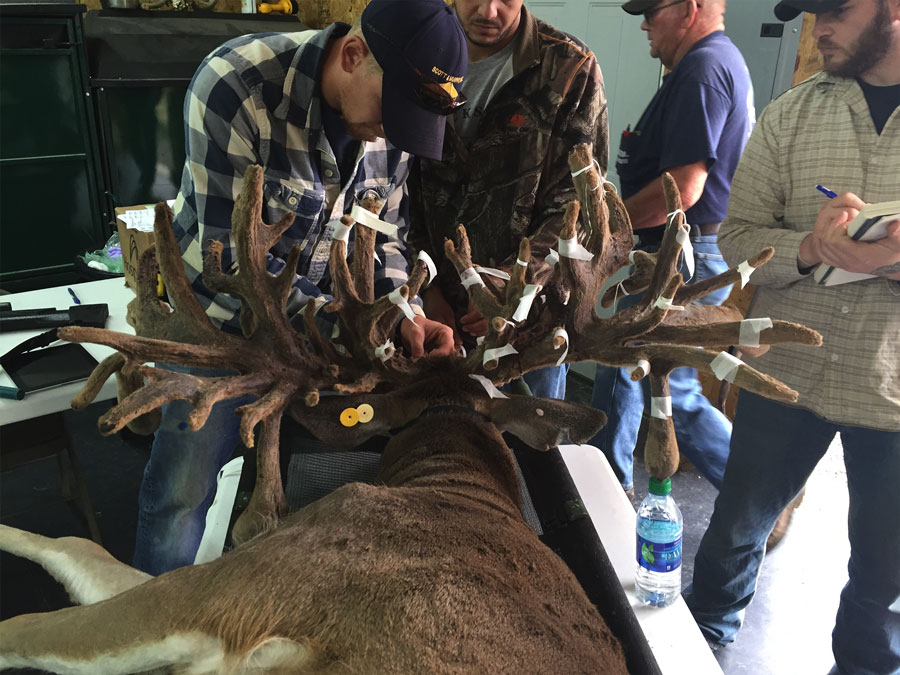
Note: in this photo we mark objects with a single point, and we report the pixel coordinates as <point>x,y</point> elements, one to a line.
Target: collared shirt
<point>820,132</point>
<point>257,100</point>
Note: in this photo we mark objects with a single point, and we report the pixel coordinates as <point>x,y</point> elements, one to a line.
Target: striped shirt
<point>820,132</point>
<point>257,100</point>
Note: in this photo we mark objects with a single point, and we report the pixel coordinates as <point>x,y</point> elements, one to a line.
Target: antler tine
<point>460,255</point>
<point>687,294</point>
<point>363,270</point>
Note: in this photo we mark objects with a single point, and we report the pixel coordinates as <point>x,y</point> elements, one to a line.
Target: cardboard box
<point>135,225</point>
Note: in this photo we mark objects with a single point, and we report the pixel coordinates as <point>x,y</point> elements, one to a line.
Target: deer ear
<point>348,421</point>
<point>545,423</point>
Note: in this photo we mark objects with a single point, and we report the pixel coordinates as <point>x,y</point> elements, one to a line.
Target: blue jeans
<point>180,480</point>
<point>774,449</point>
<point>702,431</point>
<point>548,382</point>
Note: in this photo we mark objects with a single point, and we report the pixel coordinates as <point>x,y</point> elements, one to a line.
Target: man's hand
<point>426,336</point>
<point>473,322</point>
<point>438,309</point>
<point>830,244</point>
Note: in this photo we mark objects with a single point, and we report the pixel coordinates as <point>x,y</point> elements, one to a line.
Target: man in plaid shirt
<point>333,117</point>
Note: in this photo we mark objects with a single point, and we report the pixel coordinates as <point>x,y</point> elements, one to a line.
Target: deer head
<point>432,569</point>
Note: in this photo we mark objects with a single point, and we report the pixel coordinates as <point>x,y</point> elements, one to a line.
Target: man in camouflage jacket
<point>539,94</point>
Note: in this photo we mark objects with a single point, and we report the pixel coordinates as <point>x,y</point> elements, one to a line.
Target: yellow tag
<point>349,417</point>
<point>366,413</point>
<point>449,88</point>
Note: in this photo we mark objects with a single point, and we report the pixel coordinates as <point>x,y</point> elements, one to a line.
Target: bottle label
<point>659,557</point>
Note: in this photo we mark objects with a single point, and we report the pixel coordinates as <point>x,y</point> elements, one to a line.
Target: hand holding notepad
<point>870,224</point>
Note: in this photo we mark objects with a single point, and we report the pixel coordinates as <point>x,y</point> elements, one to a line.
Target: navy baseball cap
<point>788,9</point>
<point>421,48</point>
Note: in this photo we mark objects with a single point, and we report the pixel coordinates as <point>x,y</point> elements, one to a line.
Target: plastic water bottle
<point>659,528</point>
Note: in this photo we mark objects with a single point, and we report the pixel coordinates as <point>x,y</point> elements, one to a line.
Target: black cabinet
<point>50,195</point>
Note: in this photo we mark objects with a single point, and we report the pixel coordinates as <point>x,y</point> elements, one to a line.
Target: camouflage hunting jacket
<point>514,179</point>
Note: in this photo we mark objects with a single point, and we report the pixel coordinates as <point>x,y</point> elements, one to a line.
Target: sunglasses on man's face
<point>653,11</point>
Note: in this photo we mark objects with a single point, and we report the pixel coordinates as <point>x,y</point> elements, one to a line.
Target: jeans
<point>702,431</point>
<point>179,480</point>
<point>548,382</point>
<point>774,449</point>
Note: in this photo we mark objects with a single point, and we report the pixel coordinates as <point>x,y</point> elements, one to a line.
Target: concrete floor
<point>787,629</point>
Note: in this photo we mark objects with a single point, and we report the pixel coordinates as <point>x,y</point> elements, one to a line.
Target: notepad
<point>870,224</point>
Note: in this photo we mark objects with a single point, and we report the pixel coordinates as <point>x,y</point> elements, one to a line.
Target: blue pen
<point>825,191</point>
<point>74,297</point>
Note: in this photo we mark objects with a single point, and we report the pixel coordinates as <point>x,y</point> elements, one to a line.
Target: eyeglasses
<point>435,97</point>
<point>650,13</point>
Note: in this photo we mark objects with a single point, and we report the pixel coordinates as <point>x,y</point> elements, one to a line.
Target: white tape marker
<point>661,407</point>
<point>341,231</point>
<point>643,364</point>
<point>498,353</point>
<point>552,258</point>
<point>561,332</point>
<point>528,295</point>
<point>750,330</point>
<point>745,270</point>
<point>725,366</point>
<point>493,272</point>
<point>369,219</point>
<point>683,237</point>
<point>570,248</point>
<point>385,351</point>
<point>521,262</point>
<point>429,263</point>
<point>397,298</point>
<point>489,387</point>
<point>469,277</point>
<point>666,303</point>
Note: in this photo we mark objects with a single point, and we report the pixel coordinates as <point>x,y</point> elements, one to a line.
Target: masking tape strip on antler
<point>643,364</point>
<point>561,332</point>
<point>369,219</point>
<point>750,330</point>
<point>570,248</point>
<point>552,258</point>
<point>666,303</point>
<point>683,237</point>
<point>397,298</point>
<point>528,295</point>
<point>469,277</point>
<point>587,168</point>
<point>492,272</point>
<point>521,262</point>
<point>498,353</point>
<point>429,263</point>
<point>341,231</point>
<point>661,407</point>
<point>725,366</point>
<point>385,351</point>
<point>745,269</point>
<point>489,387</point>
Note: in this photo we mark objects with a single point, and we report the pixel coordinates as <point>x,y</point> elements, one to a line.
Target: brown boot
<point>784,521</point>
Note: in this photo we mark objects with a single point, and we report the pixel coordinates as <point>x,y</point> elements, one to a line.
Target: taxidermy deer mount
<point>433,568</point>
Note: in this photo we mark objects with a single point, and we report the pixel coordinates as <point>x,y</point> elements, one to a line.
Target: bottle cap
<point>660,487</point>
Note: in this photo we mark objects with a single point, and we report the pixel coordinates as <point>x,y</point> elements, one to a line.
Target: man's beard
<point>500,38</point>
<point>868,50</point>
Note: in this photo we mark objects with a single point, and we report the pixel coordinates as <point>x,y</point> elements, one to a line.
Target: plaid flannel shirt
<point>257,100</point>
<point>820,131</point>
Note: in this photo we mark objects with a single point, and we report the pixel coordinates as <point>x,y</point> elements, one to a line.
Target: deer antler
<point>654,333</point>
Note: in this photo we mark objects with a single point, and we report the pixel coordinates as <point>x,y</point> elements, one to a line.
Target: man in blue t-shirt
<point>695,127</point>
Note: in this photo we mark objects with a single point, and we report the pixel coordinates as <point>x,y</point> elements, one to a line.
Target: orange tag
<point>349,417</point>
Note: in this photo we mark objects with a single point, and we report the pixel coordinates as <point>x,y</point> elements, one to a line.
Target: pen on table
<point>74,297</point>
<point>831,194</point>
<point>12,392</point>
